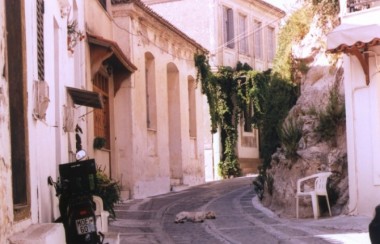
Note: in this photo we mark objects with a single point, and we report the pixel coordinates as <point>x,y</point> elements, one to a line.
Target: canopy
<point>354,40</point>
<point>348,36</point>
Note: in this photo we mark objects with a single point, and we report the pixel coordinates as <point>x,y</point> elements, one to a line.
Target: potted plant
<point>73,35</point>
<point>108,190</point>
<point>99,142</point>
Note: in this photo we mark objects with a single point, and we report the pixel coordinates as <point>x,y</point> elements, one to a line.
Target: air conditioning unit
<point>41,99</point>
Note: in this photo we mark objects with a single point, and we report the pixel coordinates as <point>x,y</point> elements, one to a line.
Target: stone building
<point>232,30</point>
<point>118,71</point>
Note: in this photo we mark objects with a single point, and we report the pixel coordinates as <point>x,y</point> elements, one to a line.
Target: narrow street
<point>239,219</point>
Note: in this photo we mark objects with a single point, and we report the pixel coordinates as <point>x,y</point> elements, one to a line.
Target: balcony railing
<point>359,5</point>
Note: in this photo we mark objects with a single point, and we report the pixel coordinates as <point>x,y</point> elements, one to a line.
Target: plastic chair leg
<point>328,204</point>
<point>297,202</point>
<point>314,200</point>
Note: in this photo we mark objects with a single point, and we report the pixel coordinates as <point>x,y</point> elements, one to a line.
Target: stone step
<point>175,181</point>
<point>179,188</point>
<point>41,234</point>
<point>249,166</point>
<point>125,195</point>
<point>111,238</point>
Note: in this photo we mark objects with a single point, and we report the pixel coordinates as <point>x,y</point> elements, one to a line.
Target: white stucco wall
<point>48,143</point>
<point>363,130</point>
<point>363,122</point>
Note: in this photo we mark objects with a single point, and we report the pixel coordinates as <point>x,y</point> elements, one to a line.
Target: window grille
<point>40,40</point>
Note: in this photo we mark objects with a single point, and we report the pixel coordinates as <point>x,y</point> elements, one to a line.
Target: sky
<point>283,4</point>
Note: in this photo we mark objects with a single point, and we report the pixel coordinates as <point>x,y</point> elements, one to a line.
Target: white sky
<point>285,5</point>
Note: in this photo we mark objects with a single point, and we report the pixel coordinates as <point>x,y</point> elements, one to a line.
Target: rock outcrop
<point>323,73</point>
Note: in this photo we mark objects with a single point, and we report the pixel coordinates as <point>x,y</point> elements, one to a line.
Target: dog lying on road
<point>196,217</point>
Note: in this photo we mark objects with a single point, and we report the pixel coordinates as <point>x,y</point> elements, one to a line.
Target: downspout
<point>355,204</point>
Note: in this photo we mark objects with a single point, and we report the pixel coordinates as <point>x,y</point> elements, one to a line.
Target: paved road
<point>239,219</point>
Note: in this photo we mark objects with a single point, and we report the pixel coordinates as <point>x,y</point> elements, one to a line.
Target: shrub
<point>276,97</point>
<point>296,27</point>
<point>290,135</point>
<point>332,117</point>
<point>108,190</point>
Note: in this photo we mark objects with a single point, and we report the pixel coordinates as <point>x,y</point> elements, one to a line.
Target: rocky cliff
<point>320,76</point>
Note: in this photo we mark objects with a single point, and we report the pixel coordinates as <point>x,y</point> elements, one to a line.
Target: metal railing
<point>359,5</point>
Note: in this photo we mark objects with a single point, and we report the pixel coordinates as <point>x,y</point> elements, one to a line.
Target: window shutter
<point>230,28</point>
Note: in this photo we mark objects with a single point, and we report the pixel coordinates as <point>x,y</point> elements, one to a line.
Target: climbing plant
<point>231,92</point>
<point>294,30</point>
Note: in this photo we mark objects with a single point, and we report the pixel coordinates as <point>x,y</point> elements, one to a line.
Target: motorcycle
<point>75,188</point>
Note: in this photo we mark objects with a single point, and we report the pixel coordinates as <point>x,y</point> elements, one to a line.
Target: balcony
<point>359,5</point>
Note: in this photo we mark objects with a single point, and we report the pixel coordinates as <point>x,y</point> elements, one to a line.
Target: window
<point>17,82</point>
<point>243,43</point>
<point>228,20</point>
<point>257,28</point>
<point>102,116</point>
<point>151,107</point>
<point>192,108</point>
<point>271,44</point>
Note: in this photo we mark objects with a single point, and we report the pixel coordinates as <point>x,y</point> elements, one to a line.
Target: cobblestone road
<point>238,220</point>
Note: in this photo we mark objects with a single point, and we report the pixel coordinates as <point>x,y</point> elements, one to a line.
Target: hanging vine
<point>231,92</point>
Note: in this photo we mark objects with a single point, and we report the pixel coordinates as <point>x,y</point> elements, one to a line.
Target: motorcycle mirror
<point>81,154</point>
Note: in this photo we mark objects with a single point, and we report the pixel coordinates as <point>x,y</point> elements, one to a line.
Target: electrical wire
<point>219,49</point>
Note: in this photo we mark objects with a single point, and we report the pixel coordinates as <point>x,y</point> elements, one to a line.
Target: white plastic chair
<point>320,189</point>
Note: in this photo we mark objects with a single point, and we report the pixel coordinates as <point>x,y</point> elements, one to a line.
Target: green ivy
<point>294,30</point>
<point>231,92</point>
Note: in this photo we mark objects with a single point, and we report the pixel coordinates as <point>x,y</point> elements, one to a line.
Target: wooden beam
<point>363,59</point>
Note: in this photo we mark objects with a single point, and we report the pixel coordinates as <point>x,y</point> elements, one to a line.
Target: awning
<point>104,51</point>
<point>354,40</point>
<point>347,36</point>
<point>85,98</point>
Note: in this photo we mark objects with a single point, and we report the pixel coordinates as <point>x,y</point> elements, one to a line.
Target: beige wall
<point>202,20</point>
<point>149,159</point>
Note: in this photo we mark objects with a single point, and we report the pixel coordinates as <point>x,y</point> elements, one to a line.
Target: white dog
<point>196,217</point>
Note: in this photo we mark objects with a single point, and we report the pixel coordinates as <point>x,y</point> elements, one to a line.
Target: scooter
<point>75,189</point>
